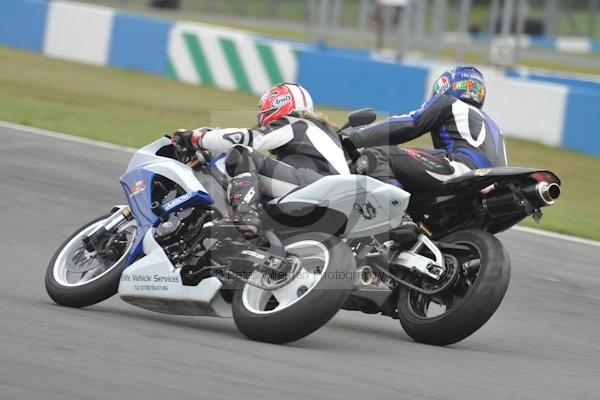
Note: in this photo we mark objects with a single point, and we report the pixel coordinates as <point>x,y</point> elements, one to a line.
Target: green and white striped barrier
<point>205,55</point>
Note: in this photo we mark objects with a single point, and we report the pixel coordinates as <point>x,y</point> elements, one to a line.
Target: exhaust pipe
<point>365,277</point>
<point>547,192</point>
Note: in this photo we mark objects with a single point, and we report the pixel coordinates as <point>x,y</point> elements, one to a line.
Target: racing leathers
<point>463,136</point>
<point>305,150</point>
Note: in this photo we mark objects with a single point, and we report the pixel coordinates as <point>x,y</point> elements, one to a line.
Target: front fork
<point>95,240</point>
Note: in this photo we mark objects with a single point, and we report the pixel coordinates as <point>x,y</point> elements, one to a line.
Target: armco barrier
<point>580,130</point>
<point>23,24</point>
<point>230,60</point>
<point>78,32</point>
<point>589,84</point>
<point>137,43</point>
<point>568,44</point>
<point>556,110</point>
<point>355,83</point>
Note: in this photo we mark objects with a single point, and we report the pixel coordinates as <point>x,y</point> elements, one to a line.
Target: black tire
<point>315,308</point>
<point>86,294</point>
<point>475,308</point>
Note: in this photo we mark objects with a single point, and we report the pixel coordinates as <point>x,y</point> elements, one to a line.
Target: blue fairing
<point>138,184</point>
<point>191,199</point>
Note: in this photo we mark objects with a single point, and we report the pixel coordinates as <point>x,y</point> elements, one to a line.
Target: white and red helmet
<point>281,100</point>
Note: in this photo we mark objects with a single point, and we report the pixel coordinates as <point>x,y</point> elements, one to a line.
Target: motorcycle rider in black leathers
<point>306,148</point>
<point>464,137</point>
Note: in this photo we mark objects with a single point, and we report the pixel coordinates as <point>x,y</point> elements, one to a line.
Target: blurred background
<point>128,71</point>
<point>558,34</point>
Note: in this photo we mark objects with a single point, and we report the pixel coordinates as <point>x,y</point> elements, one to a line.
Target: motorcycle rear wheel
<point>99,281</point>
<point>321,287</point>
<point>469,303</point>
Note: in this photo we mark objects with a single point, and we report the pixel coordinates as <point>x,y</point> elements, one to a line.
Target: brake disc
<point>83,261</point>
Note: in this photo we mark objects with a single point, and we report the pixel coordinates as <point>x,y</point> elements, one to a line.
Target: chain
<point>451,263</point>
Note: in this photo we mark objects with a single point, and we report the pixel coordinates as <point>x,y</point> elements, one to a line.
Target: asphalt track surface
<point>543,342</point>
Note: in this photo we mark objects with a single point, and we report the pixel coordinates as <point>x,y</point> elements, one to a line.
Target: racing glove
<point>186,141</point>
<point>348,145</point>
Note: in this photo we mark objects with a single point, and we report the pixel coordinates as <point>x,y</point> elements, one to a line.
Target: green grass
<point>132,108</point>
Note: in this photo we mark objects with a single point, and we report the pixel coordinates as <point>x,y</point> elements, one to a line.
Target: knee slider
<point>237,160</point>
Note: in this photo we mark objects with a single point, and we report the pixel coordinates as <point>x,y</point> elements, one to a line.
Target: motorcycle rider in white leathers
<point>306,147</point>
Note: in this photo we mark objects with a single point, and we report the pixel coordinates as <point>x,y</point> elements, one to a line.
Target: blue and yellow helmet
<point>464,83</point>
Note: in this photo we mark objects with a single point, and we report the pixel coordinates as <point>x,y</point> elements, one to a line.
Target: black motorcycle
<point>443,273</point>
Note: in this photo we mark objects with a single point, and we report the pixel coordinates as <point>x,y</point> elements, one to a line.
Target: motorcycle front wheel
<point>323,278</point>
<point>78,278</point>
<point>460,310</point>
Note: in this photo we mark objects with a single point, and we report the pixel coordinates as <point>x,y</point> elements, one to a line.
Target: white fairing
<point>371,206</point>
<point>167,167</point>
<point>155,284</point>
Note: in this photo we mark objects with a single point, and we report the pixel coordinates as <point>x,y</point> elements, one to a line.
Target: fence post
<point>362,19</point>
<point>323,21</point>
<point>439,25</point>
<point>403,30</point>
<point>551,17</point>
<point>463,28</point>
<point>310,13</point>
<point>493,18</point>
<point>338,7</point>
<point>507,15</point>
<point>522,11</point>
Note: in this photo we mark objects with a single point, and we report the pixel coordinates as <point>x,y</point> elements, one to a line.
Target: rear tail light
<point>545,176</point>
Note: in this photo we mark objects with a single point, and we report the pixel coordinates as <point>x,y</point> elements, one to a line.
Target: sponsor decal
<point>472,89</point>
<point>150,287</point>
<point>482,171</point>
<point>429,161</point>
<point>442,85</point>
<point>366,210</point>
<point>137,187</point>
<point>249,195</point>
<point>281,100</point>
<point>177,201</point>
<point>235,138</point>
<point>158,278</point>
<point>149,278</point>
<point>470,75</point>
<point>254,254</point>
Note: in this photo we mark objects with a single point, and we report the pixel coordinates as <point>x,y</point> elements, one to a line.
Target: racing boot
<point>244,196</point>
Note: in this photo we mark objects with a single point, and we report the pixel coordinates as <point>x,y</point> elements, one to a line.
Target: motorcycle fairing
<point>480,178</point>
<point>370,206</point>
<point>138,183</point>
<point>153,283</point>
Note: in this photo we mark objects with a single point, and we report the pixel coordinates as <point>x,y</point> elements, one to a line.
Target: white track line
<point>105,145</point>
<point>68,138</point>
<point>554,235</point>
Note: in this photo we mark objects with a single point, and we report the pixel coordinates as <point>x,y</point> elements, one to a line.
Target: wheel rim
<point>96,266</point>
<point>314,262</point>
<point>431,306</point>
